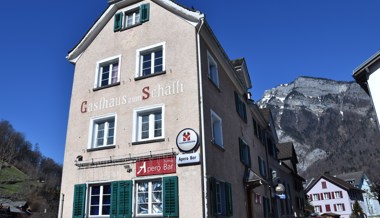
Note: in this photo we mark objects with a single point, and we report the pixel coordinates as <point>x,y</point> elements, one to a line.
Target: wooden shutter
<point>321,196</point>
<point>260,166</point>
<point>329,194</point>
<point>332,195</point>
<point>328,209</point>
<point>311,197</point>
<point>213,196</point>
<point>79,200</point>
<point>334,207</point>
<point>121,199</point>
<point>170,190</point>
<point>245,113</point>
<point>144,12</point>
<point>341,194</point>
<point>118,20</point>
<point>229,207</point>
<point>343,207</point>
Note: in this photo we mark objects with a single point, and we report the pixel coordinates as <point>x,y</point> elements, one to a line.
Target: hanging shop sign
<point>187,140</point>
<point>156,166</point>
<point>187,159</point>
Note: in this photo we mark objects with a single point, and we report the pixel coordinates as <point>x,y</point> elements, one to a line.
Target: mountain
<point>331,124</point>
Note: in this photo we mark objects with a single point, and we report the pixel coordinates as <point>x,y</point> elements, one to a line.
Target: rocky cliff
<point>331,124</point>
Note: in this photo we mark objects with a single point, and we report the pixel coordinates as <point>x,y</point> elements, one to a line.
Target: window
<point>100,200</point>
<point>217,133</point>
<point>240,107</point>
<point>212,70</point>
<point>108,72</point>
<point>149,123</point>
<point>262,167</point>
<point>152,197</point>
<point>338,194</point>
<point>149,197</point>
<point>324,185</point>
<point>315,197</point>
<point>328,208</point>
<point>103,132</point>
<point>131,18</point>
<point>245,156</point>
<point>150,61</point>
<point>339,207</point>
<point>257,198</point>
<point>221,198</point>
<point>326,196</point>
<point>318,209</point>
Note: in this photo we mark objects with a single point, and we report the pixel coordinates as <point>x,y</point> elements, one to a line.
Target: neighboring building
<point>161,124</point>
<point>288,159</point>
<point>370,205</point>
<point>368,77</point>
<point>329,194</point>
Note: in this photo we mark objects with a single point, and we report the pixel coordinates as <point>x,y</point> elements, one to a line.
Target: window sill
<point>214,84</point>
<point>130,27</point>
<point>101,148</point>
<point>107,86</point>
<point>220,147</point>
<point>148,141</point>
<point>150,75</point>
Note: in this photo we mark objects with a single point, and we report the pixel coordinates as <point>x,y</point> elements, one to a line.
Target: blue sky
<point>279,39</point>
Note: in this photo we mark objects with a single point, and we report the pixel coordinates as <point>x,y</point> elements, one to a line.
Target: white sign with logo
<point>183,159</point>
<point>187,140</point>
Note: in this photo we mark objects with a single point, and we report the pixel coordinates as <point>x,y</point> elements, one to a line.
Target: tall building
<point>367,75</point>
<point>160,122</point>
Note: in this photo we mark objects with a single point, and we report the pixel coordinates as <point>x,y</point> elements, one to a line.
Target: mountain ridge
<point>331,124</point>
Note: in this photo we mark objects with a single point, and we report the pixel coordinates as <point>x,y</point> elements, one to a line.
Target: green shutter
<point>228,192</point>
<point>241,149</point>
<point>249,156</point>
<point>260,167</point>
<point>121,199</point>
<point>114,189</point>
<point>213,196</point>
<point>144,12</point>
<point>245,112</point>
<point>236,102</point>
<point>79,200</point>
<point>170,189</point>
<point>118,21</point>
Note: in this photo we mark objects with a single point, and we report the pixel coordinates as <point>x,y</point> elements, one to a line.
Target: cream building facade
<point>160,121</point>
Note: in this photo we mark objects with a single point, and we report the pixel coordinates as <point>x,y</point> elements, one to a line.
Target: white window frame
<point>150,196</point>
<point>339,207</point>
<point>211,62</point>
<point>337,194</point>
<point>137,122</point>
<point>93,130</point>
<point>317,209</point>
<point>315,197</point>
<point>149,49</point>
<point>133,13</point>
<point>101,194</point>
<point>217,140</point>
<point>99,67</point>
<point>326,196</point>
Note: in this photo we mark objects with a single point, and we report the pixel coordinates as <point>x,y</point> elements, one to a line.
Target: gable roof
<point>114,5</point>
<point>360,74</point>
<point>356,177</point>
<point>339,182</point>
<point>286,151</point>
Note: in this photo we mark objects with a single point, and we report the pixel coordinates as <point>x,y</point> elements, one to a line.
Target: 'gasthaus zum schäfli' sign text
<point>187,142</point>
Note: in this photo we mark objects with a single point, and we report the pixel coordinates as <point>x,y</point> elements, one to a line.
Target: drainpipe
<point>60,210</point>
<point>203,147</point>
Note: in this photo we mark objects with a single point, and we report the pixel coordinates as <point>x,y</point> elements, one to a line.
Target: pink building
<point>329,194</point>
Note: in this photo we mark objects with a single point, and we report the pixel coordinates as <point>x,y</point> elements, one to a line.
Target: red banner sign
<point>156,166</point>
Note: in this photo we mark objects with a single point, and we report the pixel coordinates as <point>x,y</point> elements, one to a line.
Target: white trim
<point>136,123</point>
<point>150,48</point>
<point>97,82</point>
<point>91,131</point>
<point>211,61</point>
<point>213,114</point>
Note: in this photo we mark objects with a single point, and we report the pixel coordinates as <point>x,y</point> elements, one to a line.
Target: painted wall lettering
<point>83,107</point>
<point>146,93</point>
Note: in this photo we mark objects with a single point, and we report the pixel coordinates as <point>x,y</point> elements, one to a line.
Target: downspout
<point>60,210</point>
<point>203,147</point>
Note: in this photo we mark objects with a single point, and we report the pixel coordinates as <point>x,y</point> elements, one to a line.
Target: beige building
<point>160,122</point>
